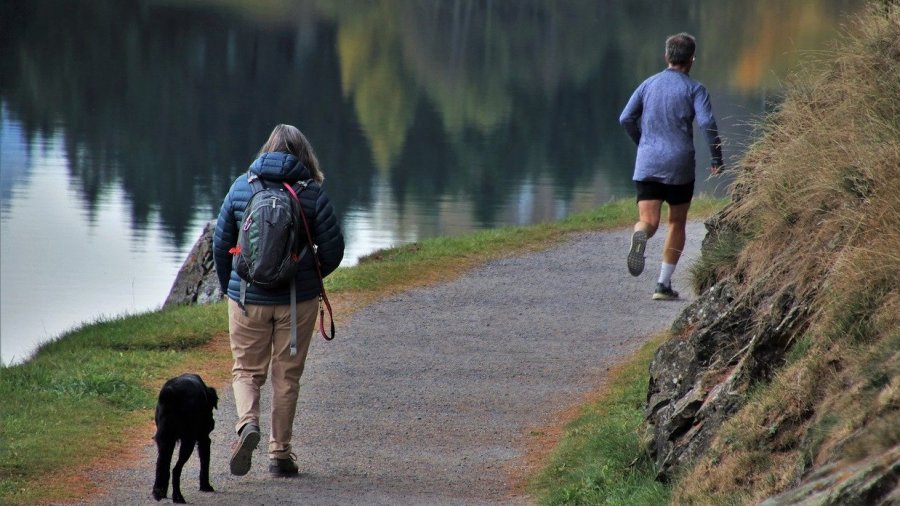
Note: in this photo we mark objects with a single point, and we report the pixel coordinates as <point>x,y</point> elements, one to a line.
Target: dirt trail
<point>429,397</point>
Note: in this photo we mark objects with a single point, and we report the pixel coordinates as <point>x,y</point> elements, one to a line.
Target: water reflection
<point>429,117</point>
<point>88,265</point>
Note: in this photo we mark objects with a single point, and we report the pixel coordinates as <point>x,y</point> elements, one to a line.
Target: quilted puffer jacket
<point>324,226</point>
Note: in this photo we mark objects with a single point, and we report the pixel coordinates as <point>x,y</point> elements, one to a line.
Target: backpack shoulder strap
<point>255,181</point>
<point>301,185</point>
<point>295,190</point>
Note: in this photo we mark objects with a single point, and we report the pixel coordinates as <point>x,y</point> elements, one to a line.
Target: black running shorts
<point>674,194</point>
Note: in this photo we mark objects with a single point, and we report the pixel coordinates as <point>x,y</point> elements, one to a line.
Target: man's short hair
<point>680,48</point>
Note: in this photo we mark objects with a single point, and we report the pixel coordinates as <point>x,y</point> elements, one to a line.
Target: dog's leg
<point>203,449</point>
<point>165,448</point>
<point>184,453</point>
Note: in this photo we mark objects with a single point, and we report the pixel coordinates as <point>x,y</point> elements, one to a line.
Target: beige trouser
<point>258,340</point>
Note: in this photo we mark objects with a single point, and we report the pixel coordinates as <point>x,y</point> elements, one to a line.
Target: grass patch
<point>818,432</point>
<point>853,318</point>
<point>719,255</point>
<point>799,350</point>
<point>601,457</point>
<point>97,385</point>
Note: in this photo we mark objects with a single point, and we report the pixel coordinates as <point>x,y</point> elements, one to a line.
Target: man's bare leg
<point>648,214</point>
<point>676,235</point>
<point>674,245</point>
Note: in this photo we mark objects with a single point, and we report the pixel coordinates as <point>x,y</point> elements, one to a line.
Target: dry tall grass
<point>819,195</point>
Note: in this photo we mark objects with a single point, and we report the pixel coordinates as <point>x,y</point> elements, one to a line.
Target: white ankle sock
<point>665,274</point>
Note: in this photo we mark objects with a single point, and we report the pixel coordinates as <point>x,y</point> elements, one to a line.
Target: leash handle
<point>323,298</point>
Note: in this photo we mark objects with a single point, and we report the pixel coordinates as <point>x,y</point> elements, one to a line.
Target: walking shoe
<point>664,292</point>
<point>243,450</point>
<point>286,466</point>
<point>636,254</point>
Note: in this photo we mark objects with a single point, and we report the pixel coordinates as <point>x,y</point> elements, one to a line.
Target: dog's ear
<point>212,397</point>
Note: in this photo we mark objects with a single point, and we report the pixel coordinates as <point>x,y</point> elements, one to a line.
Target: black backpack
<point>270,240</point>
<point>271,243</point>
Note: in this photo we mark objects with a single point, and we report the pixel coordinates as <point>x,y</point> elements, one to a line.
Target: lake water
<point>122,124</point>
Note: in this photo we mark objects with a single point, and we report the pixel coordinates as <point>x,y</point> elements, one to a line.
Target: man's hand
<point>715,169</point>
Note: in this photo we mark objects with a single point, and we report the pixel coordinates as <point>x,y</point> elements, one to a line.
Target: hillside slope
<point>783,378</point>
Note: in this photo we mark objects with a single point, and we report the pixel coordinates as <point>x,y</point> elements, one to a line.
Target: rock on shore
<point>196,282</point>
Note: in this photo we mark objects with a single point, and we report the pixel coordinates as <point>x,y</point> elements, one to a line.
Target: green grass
<point>601,458</point>
<point>80,397</point>
<point>720,255</point>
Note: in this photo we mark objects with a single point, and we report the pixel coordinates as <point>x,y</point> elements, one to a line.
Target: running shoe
<point>664,292</point>
<point>636,254</point>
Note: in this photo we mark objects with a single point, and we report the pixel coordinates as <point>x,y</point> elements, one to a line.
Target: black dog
<point>184,413</point>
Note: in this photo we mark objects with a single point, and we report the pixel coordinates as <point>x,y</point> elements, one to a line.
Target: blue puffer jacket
<point>326,231</point>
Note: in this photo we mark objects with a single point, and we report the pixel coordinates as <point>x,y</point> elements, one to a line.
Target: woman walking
<point>260,320</point>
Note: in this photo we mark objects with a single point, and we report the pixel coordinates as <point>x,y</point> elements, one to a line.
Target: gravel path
<point>429,397</point>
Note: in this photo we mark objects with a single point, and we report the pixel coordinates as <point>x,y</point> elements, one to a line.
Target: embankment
<point>782,381</point>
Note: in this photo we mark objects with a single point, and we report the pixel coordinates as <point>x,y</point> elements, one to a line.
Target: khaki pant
<point>262,339</point>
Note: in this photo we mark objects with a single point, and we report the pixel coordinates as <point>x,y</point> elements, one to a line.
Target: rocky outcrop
<point>792,261</point>
<point>723,343</point>
<point>196,282</point>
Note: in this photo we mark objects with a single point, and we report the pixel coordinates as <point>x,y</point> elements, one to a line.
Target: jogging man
<point>659,118</point>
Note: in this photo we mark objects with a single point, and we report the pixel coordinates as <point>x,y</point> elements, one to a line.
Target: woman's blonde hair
<point>289,139</point>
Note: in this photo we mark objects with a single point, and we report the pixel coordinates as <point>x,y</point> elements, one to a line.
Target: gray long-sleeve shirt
<point>659,118</point>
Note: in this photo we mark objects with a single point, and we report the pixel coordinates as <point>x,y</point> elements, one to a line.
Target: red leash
<point>322,297</point>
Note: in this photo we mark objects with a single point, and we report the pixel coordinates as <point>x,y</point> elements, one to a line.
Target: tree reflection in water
<point>444,101</point>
